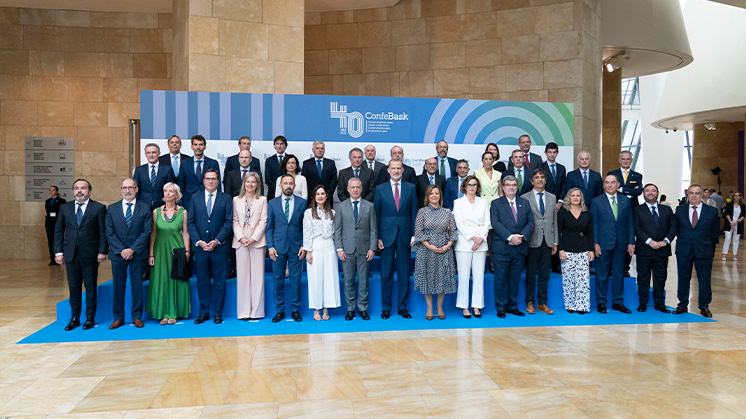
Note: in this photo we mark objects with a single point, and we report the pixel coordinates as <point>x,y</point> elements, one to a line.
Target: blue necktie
<point>460,194</point>
<point>175,166</point>
<point>655,215</point>
<point>554,173</point>
<point>357,173</point>
<point>152,175</point>
<point>209,205</point>
<point>318,167</point>
<point>541,203</point>
<point>354,210</point>
<point>585,179</point>
<point>432,180</point>
<point>198,172</point>
<point>79,214</point>
<point>128,215</point>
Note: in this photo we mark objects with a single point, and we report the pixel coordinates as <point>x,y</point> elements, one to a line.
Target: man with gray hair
<point>356,170</point>
<point>319,170</point>
<point>151,176</point>
<point>586,179</point>
<point>408,174</point>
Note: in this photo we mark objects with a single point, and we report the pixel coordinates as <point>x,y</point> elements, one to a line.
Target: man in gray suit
<point>355,237</point>
<point>543,242</point>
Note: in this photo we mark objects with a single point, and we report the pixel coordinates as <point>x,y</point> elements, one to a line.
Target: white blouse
<point>313,228</point>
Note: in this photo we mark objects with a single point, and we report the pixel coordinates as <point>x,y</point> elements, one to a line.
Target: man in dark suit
<point>319,170</point>
<point>430,177</point>
<point>80,244</point>
<point>52,208</point>
<point>210,223</point>
<point>408,173</point>
<point>193,168</point>
<point>655,229</point>
<point>356,170</point>
<point>174,158</point>
<point>396,208</point>
<point>128,226</point>
<point>355,238</point>
<point>272,165</point>
<point>370,161</point>
<point>285,246</point>
<point>151,177</point>
<point>530,160</point>
<point>519,170</point>
<point>630,185</point>
<point>232,163</point>
<point>512,224</point>
<point>699,229</point>
<point>234,178</point>
<point>614,235</point>
<point>588,181</point>
<point>556,174</point>
<point>453,184</point>
<point>445,166</point>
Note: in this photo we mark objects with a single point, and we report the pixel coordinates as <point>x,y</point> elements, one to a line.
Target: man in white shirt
<point>174,157</point>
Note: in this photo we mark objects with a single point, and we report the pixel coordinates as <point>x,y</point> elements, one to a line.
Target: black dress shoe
<point>581,312</point>
<point>516,312</point>
<point>218,319</point>
<point>74,322</point>
<point>231,274</point>
<point>296,316</point>
<point>404,313</point>
<point>626,274</point>
<point>364,315</point>
<point>706,312</point>
<point>52,263</point>
<point>479,316</point>
<point>641,308</point>
<point>467,316</point>
<point>571,311</point>
<point>350,315</point>
<point>385,314</point>
<point>201,319</point>
<point>89,323</point>
<point>662,309</point>
<point>501,314</point>
<point>620,308</point>
<point>681,310</point>
<point>278,317</point>
<point>601,308</point>
<point>245,319</point>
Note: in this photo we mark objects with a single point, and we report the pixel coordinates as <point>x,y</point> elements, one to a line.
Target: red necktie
<point>694,217</point>
<point>528,164</point>
<point>243,174</point>
<point>396,195</point>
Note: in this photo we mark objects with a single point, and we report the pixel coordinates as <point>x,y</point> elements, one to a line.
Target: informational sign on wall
<point>49,161</point>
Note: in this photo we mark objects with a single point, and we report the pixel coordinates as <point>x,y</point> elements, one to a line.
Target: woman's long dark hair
<point>327,208</point>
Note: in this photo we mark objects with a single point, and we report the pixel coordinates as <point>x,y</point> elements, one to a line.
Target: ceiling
<point>734,3</point>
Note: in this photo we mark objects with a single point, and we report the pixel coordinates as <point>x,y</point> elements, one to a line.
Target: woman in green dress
<point>168,299</point>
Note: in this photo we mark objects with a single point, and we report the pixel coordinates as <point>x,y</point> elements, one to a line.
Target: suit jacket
<point>504,225</point>
<point>545,226</point>
<point>451,163</point>
<point>356,237</point>
<point>257,222</point>
<point>86,241</point>
<point>50,208</point>
<point>557,187</point>
<point>451,193</point>
<point>271,173</point>
<point>284,236</point>
<point>701,240</point>
<point>328,175</point>
<point>609,233</point>
<point>217,226</point>
<point>188,181</point>
<point>392,223</point>
<point>534,162</point>
<point>146,192</point>
<point>232,182</point>
<point>645,228</point>
<point>525,177</point>
<point>135,237</point>
<point>378,167</point>
<point>366,178</point>
<point>470,222</point>
<point>595,184</point>
<point>166,161</point>
<point>231,164</point>
<point>633,188</point>
<point>423,181</point>
<point>408,175</point>
<point>729,211</point>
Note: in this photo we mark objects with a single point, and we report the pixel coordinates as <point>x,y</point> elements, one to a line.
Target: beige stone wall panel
<point>203,35</point>
<point>479,26</point>
<point>349,84</point>
<point>55,113</point>
<point>149,65</point>
<point>168,40</point>
<point>165,20</point>
<point>153,84</point>
<point>9,16</point>
<point>529,96</point>
<point>554,18</point>
<point>382,84</point>
<point>18,112</point>
<point>408,32</point>
<point>473,6</point>
<point>314,37</point>
<point>243,39</point>
<point>514,22</point>
<point>83,64</point>
<point>11,37</point>
<point>483,52</point>
<point>524,77</point>
<point>413,57</point>
<point>249,76</point>
<point>370,15</point>
<point>245,10</point>
<point>9,239</point>
<point>340,36</point>
<point>450,82</point>
<point>14,62</point>
<point>285,44</point>
<point>283,12</point>
<point>520,49</point>
<point>119,114</point>
<point>316,62</point>
<point>117,65</point>
<point>447,55</point>
<point>487,79</point>
<point>90,114</point>
<point>416,83</point>
<point>16,87</point>
<point>85,89</point>
<point>379,60</point>
<point>112,39</point>
<point>15,136</point>
<point>318,85</point>
<point>405,9</point>
<point>431,8</point>
<point>374,34</point>
<point>562,74</point>
<point>77,39</point>
<point>289,78</point>
<point>560,46</point>
<point>207,72</point>
<point>93,139</point>
<point>149,40</point>
<point>312,18</point>
<point>124,20</point>
<point>97,163</point>
<point>345,61</point>
<point>200,7</point>
<point>443,28</point>
<point>11,211</point>
<point>46,63</point>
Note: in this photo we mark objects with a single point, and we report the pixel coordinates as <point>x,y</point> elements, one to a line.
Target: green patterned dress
<point>167,298</point>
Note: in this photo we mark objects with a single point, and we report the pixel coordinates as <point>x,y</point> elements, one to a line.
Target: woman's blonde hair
<point>566,204</point>
<point>174,187</point>
<point>257,192</point>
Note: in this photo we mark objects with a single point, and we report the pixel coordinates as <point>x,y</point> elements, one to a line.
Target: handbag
<point>179,264</point>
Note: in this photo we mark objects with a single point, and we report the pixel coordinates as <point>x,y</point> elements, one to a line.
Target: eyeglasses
<point>124,188</point>
<point>472,185</point>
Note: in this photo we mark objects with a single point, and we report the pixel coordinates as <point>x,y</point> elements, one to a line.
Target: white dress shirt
<point>657,209</point>
<point>124,206</point>
<point>292,205</point>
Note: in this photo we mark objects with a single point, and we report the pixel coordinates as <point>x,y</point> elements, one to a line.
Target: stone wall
<point>718,148</point>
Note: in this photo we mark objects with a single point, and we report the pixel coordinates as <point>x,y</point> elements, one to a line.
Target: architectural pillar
<point>716,148</point>
<point>611,117</point>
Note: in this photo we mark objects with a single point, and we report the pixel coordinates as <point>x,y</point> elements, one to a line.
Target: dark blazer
<point>86,241</point>
<point>575,235</point>
<point>165,159</point>
<point>50,208</point>
<point>504,225</point>
<point>378,167</point>
<point>633,188</point>
<point>451,193</point>
<point>135,237</point>
<point>408,175</point>
<point>701,240</point>
<point>282,236</point>
<point>595,184</point>
<point>328,174</point>
<point>232,182</point>
<point>526,186</point>
<point>390,221</point>
<point>231,164</point>
<point>188,180</point>
<point>366,178</point>
<point>217,226</point>
<point>534,161</point>
<point>271,173</point>
<point>500,167</point>
<point>557,187</point>
<point>608,233</point>
<point>423,181</point>
<point>645,228</point>
<point>728,210</point>
<point>153,196</point>
<point>451,163</point>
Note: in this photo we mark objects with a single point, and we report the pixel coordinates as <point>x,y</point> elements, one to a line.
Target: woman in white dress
<point>249,225</point>
<point>321,254</point>
<point>291,166</point>
<point>472,216</point>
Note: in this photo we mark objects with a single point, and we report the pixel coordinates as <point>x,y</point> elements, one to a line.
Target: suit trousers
<point>295,268</point>
<point>79,274</point>
<point>508,268</point>
<point>250,282</point>
<point>49,227</point>
<point>539,259</point>
<point>119,271</point>
<point>610,260</point>
<point>731,236</point>
<point>211,265</point>
<point>399,254</point>
<point>703,266</point>
<point>658,267</point>
<point>466,263</point>
<point>356,263</point>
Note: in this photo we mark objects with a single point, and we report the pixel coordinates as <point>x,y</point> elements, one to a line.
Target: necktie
<point>318,167</point>
<point>460,194</point>
<point>209,205</point>
<point>614,207</point>
<point>515,214</point>
<point>526,159</point>
<point>541,203</point>
<point>354,210</point>
<point>396,195</point>
<point>175,166</point>
<point>370,165</point>
<point>694,217</point>
<point>585,179</point>
<point>625,177</point>
<point>128,215</point>
<point>432,180</point>
<point>442,168</point>
<point>279,159</point>
<point>198,172</point>
<point>520,179</point>
<point>655,215</point>
<point>554,172</point>
<point>243,174</point>
<point>152,175</point>
<point>287,208</point>
<point>357,172</point>
<point>79,214</point>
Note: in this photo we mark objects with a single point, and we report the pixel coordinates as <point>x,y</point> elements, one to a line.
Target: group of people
<point>520,215</point>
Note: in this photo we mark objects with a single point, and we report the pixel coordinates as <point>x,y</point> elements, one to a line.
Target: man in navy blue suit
<point>396,207</point>
<point>128,226</point>
<point>453,184</point>
<point>430,177</point>
<point>174,158</point>
<point>531,160</point>
<point>272,165</point>
<point>630,185</point>
<point>151,177</point>
<point>699,229</point>
<point>519,170</point>
<point>614,235</point>
<point>584,178</point>
<point>232,163</point>
<point>408,173</point>
<point>512,224</point>
<point>193,168</point>
<point>210,223</point>
<point>556,173</point>
<point>446,166</point>
<point>285,246</point>
<point>319,170</point>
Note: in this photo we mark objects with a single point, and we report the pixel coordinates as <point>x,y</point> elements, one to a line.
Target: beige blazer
<point>257,222</point>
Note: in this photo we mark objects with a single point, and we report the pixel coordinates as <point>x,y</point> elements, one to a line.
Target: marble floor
<point>656,371</point>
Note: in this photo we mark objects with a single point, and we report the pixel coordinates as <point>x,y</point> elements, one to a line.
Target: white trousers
<point>731,236</point>
<point>473,262</point>
<point>323,275</point>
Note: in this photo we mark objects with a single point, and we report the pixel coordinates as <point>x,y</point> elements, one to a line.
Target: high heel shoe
<point>429,317</point>
<point>466,316</point>
<point>477,315</point>
<point>442,316</point>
